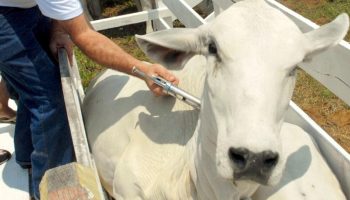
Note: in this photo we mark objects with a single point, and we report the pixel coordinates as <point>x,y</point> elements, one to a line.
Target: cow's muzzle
<point>252,166</point>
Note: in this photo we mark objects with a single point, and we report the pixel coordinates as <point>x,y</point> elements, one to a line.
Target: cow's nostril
<point>239,157</point>
<point>270,159</point>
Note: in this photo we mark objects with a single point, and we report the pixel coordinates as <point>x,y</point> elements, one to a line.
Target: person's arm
<point>102,50</point>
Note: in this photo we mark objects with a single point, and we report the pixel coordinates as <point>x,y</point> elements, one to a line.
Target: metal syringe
<point>171,89</point>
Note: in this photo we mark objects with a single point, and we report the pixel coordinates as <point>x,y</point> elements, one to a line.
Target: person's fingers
<point>158,91</point>
<point>159,70</point>
<point>174,80</point>
<point>166,74</point>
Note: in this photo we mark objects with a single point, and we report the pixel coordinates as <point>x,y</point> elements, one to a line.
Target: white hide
<point>307,175</point>
<point>158,148</point>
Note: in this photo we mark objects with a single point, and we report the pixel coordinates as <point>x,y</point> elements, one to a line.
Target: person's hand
<point>60,39</point>
<point>158,70</point>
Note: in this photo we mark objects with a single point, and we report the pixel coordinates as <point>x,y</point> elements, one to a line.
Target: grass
<point>317,101</point>
<point>319,11</point>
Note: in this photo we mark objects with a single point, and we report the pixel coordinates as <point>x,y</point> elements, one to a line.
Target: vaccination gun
<point>171,89</point>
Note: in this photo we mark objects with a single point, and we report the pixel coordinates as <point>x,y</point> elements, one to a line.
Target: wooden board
<point>73,94</point>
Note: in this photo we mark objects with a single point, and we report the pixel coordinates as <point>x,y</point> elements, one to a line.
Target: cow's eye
<point>212,48</point>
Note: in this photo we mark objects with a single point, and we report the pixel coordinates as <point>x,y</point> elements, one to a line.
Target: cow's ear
<point>327,35</point>
<point>172,48</point>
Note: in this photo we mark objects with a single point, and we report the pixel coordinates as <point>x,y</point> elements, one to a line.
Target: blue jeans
<point>42,136</point>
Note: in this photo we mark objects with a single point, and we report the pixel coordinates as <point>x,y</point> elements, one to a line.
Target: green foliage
<point>326,93</point>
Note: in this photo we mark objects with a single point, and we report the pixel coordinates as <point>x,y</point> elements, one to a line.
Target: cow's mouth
<point>255,177</point>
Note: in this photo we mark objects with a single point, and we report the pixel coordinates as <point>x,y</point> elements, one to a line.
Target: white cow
<point>242,65</point>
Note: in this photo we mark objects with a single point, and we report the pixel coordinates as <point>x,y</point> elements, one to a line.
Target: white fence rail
<point>331,68</point>
<point>128,19</point>
<point>143,16</point>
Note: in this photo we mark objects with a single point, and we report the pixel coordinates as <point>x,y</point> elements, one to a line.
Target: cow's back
<point>134,133</point>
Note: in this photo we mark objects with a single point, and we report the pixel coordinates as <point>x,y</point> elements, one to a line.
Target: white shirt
<point>56,9</point>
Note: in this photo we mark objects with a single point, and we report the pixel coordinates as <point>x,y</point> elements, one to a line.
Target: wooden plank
<point>72,100</point>
<point>184,13</point>
<point>68,182</point>
<point>332,67</point>
<point>73,112</point>
<point>128,19</point>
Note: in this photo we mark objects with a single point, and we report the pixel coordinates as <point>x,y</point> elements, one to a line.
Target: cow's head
<point>252,51</point>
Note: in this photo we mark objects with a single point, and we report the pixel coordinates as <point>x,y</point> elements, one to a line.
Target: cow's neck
<point>204,173</point>
<point>203,165</point>
<point>193,175</point>
<point>174,181</point>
